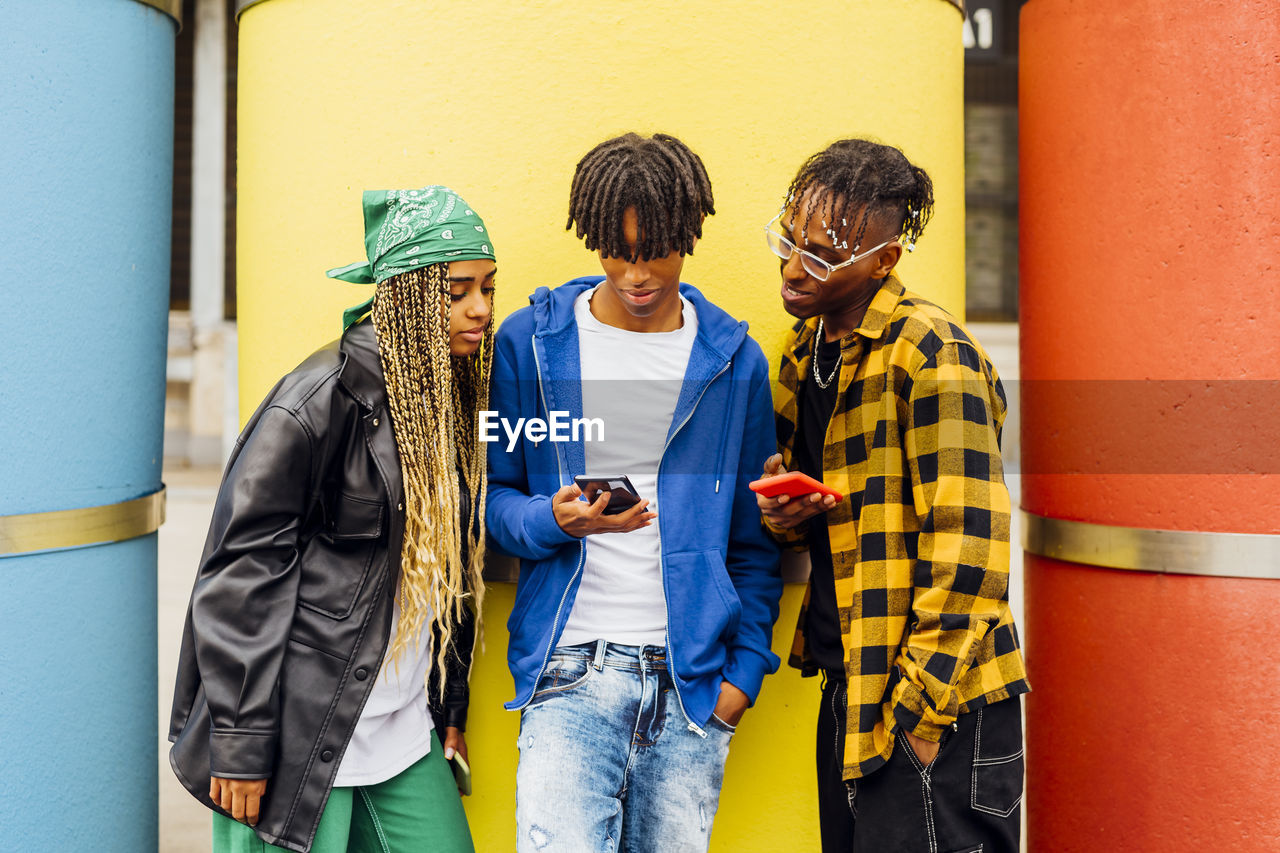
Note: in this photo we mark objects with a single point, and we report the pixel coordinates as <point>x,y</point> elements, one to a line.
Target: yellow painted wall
<point>499,100</point>
<point>769,799</point>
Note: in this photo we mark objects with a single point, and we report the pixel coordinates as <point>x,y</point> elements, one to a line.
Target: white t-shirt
<point>631,381</point>
<point>394,729</point>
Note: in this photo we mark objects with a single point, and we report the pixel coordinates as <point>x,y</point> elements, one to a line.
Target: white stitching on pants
<point>978,760</point>
<point>926,786</point>
<point>977,737</point>
<point>377,821</point>
<point>835,738</point>
<point>973,779</point>
<point>850,787</point>
<point>977,750</point>
<point>927,793</point>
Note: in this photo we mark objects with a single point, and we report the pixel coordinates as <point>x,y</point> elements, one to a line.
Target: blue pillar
<point>86,160</point>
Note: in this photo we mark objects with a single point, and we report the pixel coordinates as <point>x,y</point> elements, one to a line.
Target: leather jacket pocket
<point>336,561</point>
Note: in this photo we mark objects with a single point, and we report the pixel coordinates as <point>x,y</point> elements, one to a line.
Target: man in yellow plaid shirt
<point>886,398</point>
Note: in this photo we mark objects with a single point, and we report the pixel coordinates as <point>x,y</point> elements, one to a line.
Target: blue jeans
<point>608,761</point>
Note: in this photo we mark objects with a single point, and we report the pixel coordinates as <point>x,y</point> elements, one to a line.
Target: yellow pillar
<point>499,100</point>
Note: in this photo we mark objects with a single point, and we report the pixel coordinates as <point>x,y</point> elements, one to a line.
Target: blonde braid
<point>434,400</point>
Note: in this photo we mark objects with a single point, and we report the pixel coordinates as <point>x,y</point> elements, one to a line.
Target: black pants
<point>968,799</point>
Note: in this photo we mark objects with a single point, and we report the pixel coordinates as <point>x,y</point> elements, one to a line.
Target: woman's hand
<point>455,741</point>
<point>579,518</point>
<point>241,797</point>
<point>785,511</point>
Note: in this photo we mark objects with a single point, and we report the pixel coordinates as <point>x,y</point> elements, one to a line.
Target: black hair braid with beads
<point>857,175</point>
<point>660,177</point>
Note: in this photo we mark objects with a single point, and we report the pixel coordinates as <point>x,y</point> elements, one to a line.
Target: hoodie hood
<point>555,346</point>
<point>553,312</point>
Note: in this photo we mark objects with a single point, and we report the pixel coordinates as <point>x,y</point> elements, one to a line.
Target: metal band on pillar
<point>172,8</point>
<point>241,5</point>
<point>75,528</point>
<point>1181,552</point>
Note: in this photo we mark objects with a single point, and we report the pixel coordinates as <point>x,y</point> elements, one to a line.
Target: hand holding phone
<point>622,495</point>
<point>461,773</point>
<point>455,752</point>
<point>581,518</point>
<point>789,498</point>
<point>792,483</point>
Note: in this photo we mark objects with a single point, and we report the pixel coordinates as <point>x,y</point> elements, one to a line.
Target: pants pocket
<point>998,762</point>
<point>720,724</point>
<point>562,675</point>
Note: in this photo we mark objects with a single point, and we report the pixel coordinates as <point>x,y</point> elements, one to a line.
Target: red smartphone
<point>792,483</point>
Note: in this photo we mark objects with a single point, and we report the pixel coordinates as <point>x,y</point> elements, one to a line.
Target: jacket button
<point>327,755</point>
<point>362,674</point>
<point>400,507</point>
<point>375,421</point>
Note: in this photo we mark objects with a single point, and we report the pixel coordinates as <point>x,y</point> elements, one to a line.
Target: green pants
<point>419,810</point>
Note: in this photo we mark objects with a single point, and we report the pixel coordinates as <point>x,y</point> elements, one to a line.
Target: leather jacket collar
<point>361,372</point>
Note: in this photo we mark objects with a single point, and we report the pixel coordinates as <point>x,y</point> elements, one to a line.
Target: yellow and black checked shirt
<point>920,544</point>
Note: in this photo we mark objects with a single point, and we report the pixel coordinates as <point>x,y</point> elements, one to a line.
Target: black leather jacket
<point>292,605</point>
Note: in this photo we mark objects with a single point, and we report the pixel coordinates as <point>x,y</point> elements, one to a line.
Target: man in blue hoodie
<point>638,639</point>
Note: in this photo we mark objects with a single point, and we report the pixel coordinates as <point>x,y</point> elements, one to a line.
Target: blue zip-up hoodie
<point>720,570</point>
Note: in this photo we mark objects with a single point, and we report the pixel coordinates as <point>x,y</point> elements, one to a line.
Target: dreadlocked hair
<point>434,400</point>
<point>857,176</point>
<point>660,177</point>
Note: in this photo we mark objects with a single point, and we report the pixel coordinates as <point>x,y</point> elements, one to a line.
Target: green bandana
<point>409,229</point>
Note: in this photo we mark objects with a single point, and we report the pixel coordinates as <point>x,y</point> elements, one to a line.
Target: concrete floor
<point>184,823</point>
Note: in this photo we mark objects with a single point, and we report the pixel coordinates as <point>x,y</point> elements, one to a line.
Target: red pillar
<point>1150,227</point>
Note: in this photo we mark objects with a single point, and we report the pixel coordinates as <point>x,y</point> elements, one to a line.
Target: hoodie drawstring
<point>724,434</point>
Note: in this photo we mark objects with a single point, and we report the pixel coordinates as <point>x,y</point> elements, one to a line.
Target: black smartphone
<point>622,495</point>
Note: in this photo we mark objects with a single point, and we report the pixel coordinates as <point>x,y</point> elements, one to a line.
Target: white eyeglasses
<point>813,265</point>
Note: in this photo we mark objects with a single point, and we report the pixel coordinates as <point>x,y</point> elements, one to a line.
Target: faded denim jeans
<point>608,761</point>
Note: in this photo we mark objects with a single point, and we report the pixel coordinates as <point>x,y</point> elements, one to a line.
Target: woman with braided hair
<point>322,683</point>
